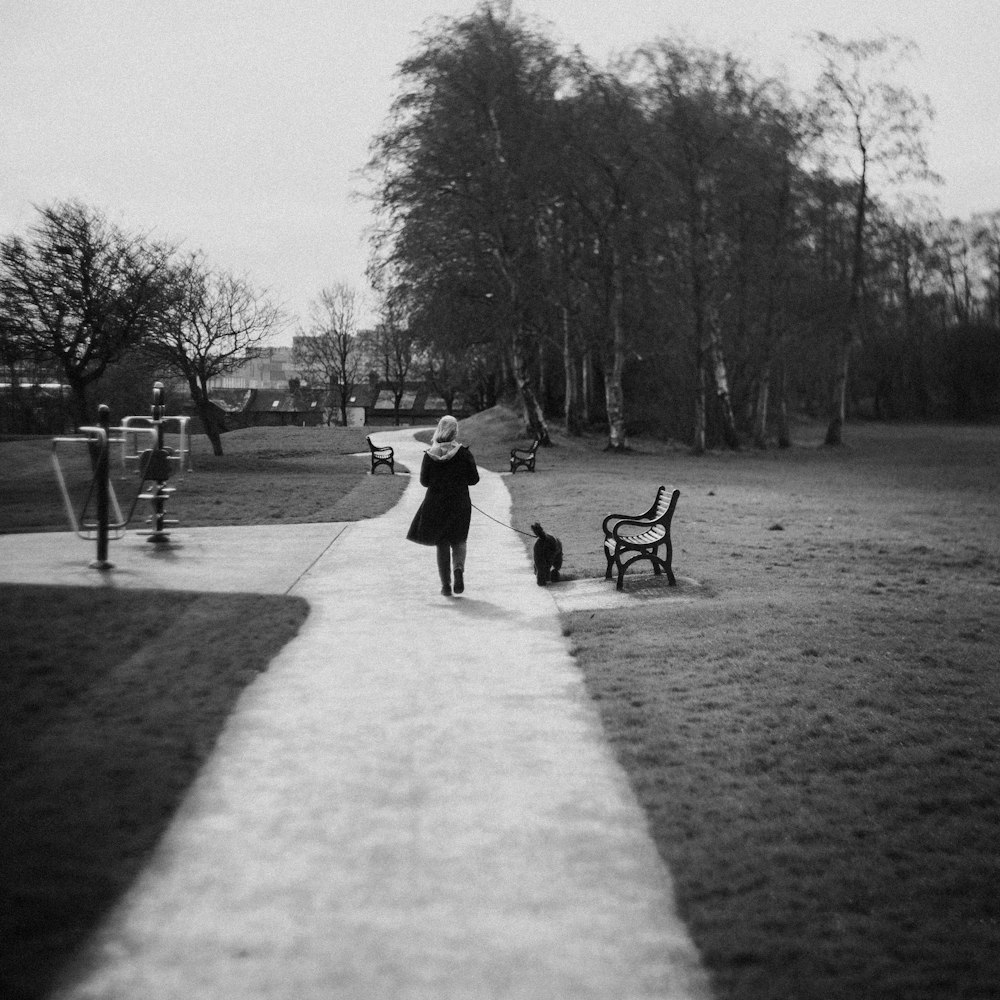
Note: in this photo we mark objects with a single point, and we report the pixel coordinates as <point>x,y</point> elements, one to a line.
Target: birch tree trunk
<point>614,392</point>
<point>718,362</point>
<point>698,444</point>
<point>614,397</point>
<point>534,416</point>
<point>760,408</point>
<point>838,399</point>
<point>587,379</point>
<point>784,432</point>
<point>571,404</point>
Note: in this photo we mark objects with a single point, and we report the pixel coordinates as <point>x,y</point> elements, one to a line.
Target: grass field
<point>266,476</point>
<point>112,701</point>
<point>810,719</point>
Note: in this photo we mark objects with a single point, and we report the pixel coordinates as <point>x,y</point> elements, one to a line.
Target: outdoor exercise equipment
<point>155,465</point>
<point>135,427</point>
<point>97,525</point>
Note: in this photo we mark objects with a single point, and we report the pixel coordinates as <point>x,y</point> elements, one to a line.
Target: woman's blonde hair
<point>447,430</point>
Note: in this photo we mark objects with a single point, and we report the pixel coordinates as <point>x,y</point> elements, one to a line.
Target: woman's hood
<point>444,450</point>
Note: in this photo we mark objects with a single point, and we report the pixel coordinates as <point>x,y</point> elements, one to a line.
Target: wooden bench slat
<point>640,538</point>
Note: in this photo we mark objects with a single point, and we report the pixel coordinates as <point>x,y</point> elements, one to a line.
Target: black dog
<point>547,555</point>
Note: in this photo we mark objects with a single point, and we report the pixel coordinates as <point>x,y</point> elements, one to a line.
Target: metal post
<point>158,536</point>
<point>101,472</point>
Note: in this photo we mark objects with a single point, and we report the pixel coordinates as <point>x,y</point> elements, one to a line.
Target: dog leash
<point>504,523</point>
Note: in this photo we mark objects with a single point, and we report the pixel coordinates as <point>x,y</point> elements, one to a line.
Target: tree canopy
<point>78,292</point>
<point>673,242</point>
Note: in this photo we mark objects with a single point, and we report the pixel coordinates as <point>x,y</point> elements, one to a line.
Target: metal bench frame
<point>523,456</point>
<point>631,537</point>
<point>381,456</point>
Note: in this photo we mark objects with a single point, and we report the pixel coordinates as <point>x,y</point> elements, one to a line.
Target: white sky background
<point>237,127</point>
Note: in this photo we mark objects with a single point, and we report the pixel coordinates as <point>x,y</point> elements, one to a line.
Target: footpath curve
<point>414,801</point>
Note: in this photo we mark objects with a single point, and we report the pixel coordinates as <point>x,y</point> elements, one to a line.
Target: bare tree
<point>392,346</point>
<point>79,291</point>
<point>330,353</point>
<point>602,128</point>
<point>215,323</point>
<point>958,261</point>
<point>986,228</point>
<point>872,124</point>
<point>463,170</point>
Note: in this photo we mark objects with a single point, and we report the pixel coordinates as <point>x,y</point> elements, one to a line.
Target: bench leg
<point>663,564</point>
<point>660,566</point>
<point>620,585</point>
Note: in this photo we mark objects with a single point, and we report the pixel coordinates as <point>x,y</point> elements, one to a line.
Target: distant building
<point>274,369</point>
<point>420,404</point>
<point>289,407</point>
<point>369,404</point>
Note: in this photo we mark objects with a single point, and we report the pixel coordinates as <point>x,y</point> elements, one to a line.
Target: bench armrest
<point>647,515</point>
<point>616,517</point>
<point>635,522</point>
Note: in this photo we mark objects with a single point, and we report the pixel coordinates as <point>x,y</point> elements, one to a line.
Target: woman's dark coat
<point>446,511</point>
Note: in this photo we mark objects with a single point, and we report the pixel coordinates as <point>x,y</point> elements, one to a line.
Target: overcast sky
<point>238,126</point>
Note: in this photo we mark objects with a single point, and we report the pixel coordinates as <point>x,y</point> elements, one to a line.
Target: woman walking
<point>448,470</point>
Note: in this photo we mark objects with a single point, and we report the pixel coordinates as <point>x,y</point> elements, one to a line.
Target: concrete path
<point>415,802</point>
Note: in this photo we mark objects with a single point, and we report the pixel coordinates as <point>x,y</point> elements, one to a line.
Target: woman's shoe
<point>459,581</point>
<point>446,590</point>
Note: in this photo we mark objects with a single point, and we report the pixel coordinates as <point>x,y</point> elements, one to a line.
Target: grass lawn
<point>810,718</point>
<point>112,701</point>
<point>268,475</point>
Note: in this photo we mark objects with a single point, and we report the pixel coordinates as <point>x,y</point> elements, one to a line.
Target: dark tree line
<point>86,304</point>
<point>674,243</point>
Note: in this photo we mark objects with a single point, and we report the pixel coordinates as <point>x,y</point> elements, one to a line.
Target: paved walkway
<point>415,802</point>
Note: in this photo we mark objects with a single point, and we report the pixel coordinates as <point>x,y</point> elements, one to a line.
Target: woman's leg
<point>458,562</point>
<point>444,566</point>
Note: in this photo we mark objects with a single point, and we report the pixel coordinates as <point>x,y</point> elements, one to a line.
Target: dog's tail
<point>537,529</point>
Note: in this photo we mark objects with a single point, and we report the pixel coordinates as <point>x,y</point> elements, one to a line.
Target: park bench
<point>524,456</point>
<point>630,537</point>
<point>381,456</point>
